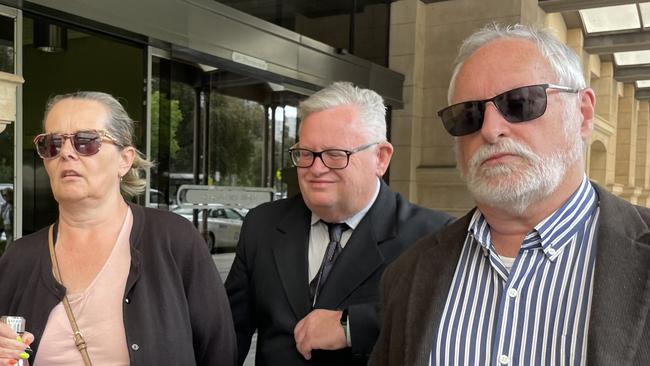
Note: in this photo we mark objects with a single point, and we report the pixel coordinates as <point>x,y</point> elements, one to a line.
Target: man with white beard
<point>549,268</point>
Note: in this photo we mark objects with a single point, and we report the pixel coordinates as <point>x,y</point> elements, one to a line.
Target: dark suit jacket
<point>268,283</point>
<point>415,288</point>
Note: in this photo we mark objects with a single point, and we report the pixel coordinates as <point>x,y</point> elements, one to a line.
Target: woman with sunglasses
<point>140,283</point>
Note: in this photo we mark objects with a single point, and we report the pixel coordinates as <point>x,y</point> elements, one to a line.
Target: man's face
<point>511,166</point>
<point>337,194</point>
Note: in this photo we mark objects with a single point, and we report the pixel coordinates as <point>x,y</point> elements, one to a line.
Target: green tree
<point>183,132</point>
<point>172,114</point>
<point>236,135</point>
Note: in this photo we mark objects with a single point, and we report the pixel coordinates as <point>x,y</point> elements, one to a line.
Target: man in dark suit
<point>307,268</point>
<point>549,268</point>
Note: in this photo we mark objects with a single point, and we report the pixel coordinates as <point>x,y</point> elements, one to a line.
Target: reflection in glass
<point>6,185</point>
<point>172,120</point>
<point>7,50</point>
<point>236,141</point>
<point>285,137</point>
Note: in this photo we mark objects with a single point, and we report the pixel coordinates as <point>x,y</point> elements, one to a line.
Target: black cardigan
<point>175,307</point>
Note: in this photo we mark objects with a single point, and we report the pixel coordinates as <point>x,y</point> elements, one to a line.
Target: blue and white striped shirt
<point>536,314</point>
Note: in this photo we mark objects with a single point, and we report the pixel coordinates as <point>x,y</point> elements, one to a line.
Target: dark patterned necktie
<point>331,253</point>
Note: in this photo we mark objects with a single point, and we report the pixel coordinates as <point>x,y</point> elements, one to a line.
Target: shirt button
<point>551,251</point>
<point>127,300</point>
<point>135,347</point>
<point>512,293</point>
<point>504,359</point>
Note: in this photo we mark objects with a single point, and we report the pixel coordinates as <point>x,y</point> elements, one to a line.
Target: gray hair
<point>563,61</point>
<point>121,127</point>
<point>372,111</point>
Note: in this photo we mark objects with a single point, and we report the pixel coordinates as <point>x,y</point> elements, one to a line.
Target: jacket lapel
<point>361,256</point>
<point>621,290</point>
<point>290,244</point>
<point>435,270</point>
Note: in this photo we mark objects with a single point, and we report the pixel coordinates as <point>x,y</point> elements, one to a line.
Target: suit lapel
<point>435,270</point>
<point>290,244</point>
<point>621,290</point>
<point>361,256</point>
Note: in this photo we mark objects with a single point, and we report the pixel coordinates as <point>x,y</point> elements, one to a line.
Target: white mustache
<point>505,146</point>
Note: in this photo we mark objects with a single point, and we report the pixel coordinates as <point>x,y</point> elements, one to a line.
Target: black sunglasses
<point>85,143</point>
<point>517,105</point>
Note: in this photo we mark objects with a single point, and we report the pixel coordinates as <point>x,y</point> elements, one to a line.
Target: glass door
<point>216,128</point>
<point>9,145</point>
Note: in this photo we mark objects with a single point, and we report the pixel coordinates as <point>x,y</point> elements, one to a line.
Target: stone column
<point>643,153</point>
<point>626,141</point>
<point>407,57</point>
<point>607,91</point>
<point>575,40</point>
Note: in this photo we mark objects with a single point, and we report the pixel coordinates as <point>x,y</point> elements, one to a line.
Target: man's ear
<point>588,111</point>
<point>384,154</point>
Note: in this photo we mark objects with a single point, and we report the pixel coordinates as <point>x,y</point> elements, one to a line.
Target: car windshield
<point>218,213</point>
<point>182,211</point>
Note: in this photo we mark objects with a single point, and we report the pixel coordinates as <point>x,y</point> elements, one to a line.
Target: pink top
<point>98,311</point>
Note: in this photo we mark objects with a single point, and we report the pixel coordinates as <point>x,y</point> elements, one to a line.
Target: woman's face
<point>75,178</point>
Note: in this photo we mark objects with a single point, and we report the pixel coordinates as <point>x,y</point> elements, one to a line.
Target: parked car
<point>224,225</point>
<point>157,200</point>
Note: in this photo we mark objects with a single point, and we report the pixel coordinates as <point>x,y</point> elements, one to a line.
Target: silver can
<point>17,323</point>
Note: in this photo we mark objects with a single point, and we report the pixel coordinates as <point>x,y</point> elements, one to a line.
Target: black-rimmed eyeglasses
<point>517,105</point>
<point>331,158</point>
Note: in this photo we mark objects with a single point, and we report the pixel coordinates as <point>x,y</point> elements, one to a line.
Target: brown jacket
<point>415,287</point>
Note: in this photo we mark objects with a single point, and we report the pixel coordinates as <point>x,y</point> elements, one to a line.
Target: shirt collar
<point>355,219</point>
<point>550,232</point>
<point>573,214</point>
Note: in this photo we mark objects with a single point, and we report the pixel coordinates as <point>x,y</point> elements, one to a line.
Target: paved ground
<point>223,262</point>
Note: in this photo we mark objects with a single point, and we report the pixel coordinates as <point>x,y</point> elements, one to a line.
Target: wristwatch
<point>346,327</point>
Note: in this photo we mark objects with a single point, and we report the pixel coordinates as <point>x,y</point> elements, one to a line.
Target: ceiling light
<point>50,37</point>
<point>632,58</point>
<point>610,18</point>
<point>643,83</point>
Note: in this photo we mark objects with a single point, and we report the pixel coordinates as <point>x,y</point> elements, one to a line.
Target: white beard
<point>514,187</point>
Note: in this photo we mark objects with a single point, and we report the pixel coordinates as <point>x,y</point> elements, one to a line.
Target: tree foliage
<point>236,135</point>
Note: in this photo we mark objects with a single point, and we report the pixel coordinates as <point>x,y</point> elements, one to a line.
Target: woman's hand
<point>12,347</point>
